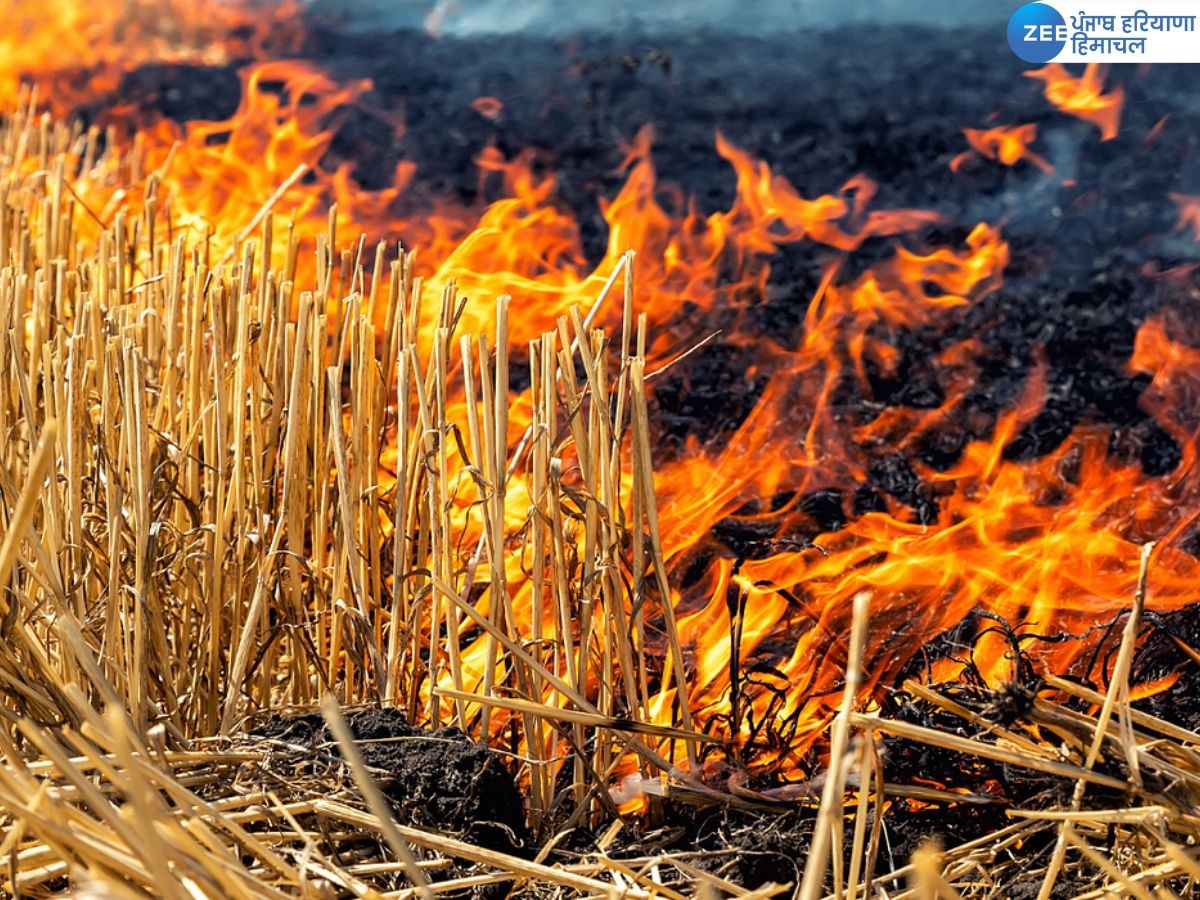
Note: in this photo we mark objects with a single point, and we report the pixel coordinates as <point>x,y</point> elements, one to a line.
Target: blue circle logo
<point>1037,33</point>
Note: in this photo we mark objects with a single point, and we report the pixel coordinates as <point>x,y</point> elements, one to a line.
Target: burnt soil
<point>1087,264</point>
<point>439,780</point>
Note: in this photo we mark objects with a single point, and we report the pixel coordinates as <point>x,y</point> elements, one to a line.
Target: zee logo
<point>1037,32</point>
<point>1046,33</point>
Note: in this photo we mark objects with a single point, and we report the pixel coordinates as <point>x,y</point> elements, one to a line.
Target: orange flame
<point>1189,212</point>
<point>77,50</point>
<point>1006,144</point>
<point>1084,97</point>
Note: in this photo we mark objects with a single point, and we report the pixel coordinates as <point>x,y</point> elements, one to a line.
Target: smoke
<point>462,18</point>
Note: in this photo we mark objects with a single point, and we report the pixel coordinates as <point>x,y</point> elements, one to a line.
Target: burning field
<point>607,465</point>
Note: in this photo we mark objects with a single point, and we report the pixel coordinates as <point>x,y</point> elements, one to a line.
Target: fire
<point>1006,144</point>
<point>1050,544</point>
<point>1084,97</point>
<point>1189,212</point>
<point>77,50</point>
<point>769,212</point>
<point>284,130</point>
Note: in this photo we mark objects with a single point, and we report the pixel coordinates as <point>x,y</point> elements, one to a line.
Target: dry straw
<point>227,488</point>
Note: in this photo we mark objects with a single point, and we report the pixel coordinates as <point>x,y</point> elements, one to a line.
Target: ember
<point>711,472</point>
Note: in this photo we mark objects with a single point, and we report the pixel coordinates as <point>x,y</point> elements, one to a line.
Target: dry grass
<point>226,491</point>
<point>223,490</point>
<point>1119,821</point>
